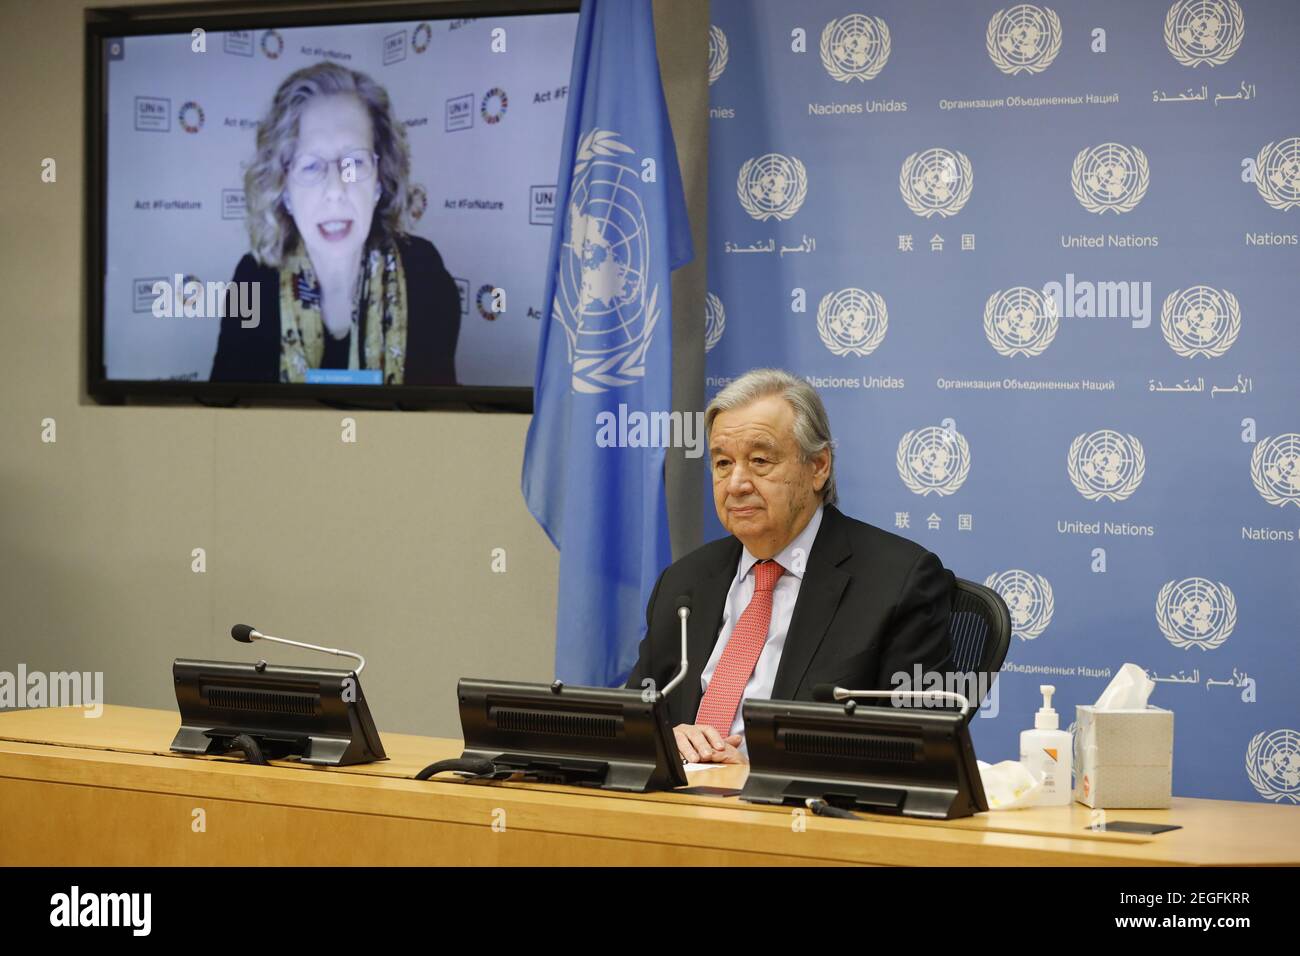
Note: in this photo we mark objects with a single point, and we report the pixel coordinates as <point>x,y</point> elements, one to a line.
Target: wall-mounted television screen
<point>350,204</point>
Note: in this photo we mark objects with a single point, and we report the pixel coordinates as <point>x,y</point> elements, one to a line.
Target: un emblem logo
<point>1204,31</point>
<point>936,181</point>
<point>1110,177</point>
<point>1195,612</point>
<point>1200,321</point>
<point>1273,765</point>
<point>1023,38</point>
<point>852,322</point>
<point>715,321</point>
<point>1277,173</point>
<point>1020,321</point>
<point>1105,465</point>
<point>772,186</point>
<point>1275,469</point>
<point>718,53</point>
<point>600,294</point>
<point>855,47</point>
<point>1029,599</point>
<point>934,460</point>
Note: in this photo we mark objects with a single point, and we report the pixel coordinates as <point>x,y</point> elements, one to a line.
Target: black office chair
<point>981,634</point>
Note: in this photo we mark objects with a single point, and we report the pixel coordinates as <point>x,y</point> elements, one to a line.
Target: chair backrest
<point>981,634</point>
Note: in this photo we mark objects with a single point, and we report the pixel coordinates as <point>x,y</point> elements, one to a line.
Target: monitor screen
<point>324,209</point>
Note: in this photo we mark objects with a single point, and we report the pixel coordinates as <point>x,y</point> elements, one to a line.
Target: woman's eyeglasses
<point>357,166</point>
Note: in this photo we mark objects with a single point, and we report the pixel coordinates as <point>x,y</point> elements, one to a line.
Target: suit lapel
<point>819,597</point>
<point>709,598</point>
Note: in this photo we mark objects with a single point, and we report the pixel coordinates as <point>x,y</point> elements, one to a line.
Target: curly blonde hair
<point>271,229</point>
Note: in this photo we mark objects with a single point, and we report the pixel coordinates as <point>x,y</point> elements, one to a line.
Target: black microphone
<point>242,633</point>
<point>683,613</point>
<point>824,693</point>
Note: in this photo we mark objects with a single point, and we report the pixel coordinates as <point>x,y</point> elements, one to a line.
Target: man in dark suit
<point>800,594</point>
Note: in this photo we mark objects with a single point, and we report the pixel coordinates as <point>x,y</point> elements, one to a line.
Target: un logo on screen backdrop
<point>936,181</point>
<point>855,47</point>
<point>1204,31</point>
<point>1029,599</point>
<point>933,459</point>
<point>772,186</point>
<point>1273,765</point>
<point>715,321</point>
<point>600,294</point>
<point>1275,469</point>
<point>852,322</point>
<point>718,53</point>
<point>1023,38</point>
<point>1105,465</point>
<point>1020,321</point>
<point>1110,177</point>
<point>1277,173</point>
<point>1196,612</point>
<point>1200,321</point>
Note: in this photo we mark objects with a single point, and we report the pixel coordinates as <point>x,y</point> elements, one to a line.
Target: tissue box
<point>1123,758</point>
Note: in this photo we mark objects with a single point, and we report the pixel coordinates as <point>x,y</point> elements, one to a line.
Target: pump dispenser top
<point>1046,718</point>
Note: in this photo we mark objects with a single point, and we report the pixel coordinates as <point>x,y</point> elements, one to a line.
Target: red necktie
<point>718,708</point>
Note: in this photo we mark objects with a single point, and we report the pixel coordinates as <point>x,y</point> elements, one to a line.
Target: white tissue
<point>1129,690</point>
<point>1008,785</point>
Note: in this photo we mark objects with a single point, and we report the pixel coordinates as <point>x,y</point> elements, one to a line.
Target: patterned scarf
<point>380,291</point>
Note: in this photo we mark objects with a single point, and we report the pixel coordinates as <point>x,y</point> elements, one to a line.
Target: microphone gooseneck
<point>683,614</point>
<point>246,634</point>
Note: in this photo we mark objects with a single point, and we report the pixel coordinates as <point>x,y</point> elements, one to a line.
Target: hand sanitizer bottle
<point>1047,752</point>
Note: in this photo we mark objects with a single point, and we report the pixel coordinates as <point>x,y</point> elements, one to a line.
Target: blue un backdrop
<point>1041,262</point>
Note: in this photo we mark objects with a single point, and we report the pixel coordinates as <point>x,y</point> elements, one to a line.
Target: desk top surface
<point>1214,832</point>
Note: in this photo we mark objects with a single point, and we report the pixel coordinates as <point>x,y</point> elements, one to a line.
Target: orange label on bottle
<point>1051,752</point>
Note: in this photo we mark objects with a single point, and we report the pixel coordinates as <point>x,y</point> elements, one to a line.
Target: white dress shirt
<point>794,559</point>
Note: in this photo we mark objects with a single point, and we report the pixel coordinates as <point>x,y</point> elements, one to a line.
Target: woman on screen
<point>341,285</point>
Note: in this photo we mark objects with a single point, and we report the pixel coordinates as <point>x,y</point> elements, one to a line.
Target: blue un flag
<point>620,230</point>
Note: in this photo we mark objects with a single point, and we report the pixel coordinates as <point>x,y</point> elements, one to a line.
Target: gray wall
<point>383,546</point>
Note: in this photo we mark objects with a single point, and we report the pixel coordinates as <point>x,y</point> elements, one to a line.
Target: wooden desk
<point>77,791</point>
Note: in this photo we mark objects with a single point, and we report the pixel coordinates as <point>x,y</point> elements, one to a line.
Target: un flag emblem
<point>715,321</point>
<point>718,53</point>
<point>936,181</point>
<point>852,321</point>
<point>855,47</point>
<point>1029,599</point>
<point>1200,321</point>
<point>1020,321</point>
<point>1105,465</point>
<point>1204,31</point>
<point>933,460</point>
<point>772,186</point>
<point>1277,173</point>
<point>1273,765</point>
<point>1196,612</point>
<point>1023,38</point>
<point>1110,177</point>
<point>1275,469</point>
<point>600,295</point>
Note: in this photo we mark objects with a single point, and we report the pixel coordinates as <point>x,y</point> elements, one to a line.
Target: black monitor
<point>206,229</point>
<point>315,714</point>
<point>906,761</point>
<point>611,738</point>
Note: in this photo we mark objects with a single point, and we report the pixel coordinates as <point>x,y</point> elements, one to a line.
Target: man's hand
<point>701,743</point>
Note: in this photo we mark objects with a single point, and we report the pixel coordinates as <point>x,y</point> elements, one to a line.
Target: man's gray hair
<point>812,428</point>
